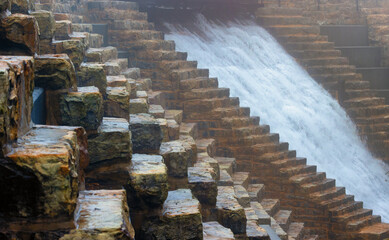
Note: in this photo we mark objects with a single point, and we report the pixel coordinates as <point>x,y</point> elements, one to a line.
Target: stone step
<point>230,213</point>
<point>254,231</point>
<point>152,45</point>
<point>110,205</point>
<point>239,122</point>
<point>363,102</point>
<point>271,206</point>
<point>242,195</point>
<point>270,157</point>
<point>301,169</point>
<point>146,133</point>
<point>318,186</point>
<point>317,45</point>
<point>198,83</point>
<point>227,164</point>
<point>177,158</point>
<point>122,39</point>
<point>156,111</point>
<point>181,213</point>
<point>129,24</point>
<point>262,216</point>
<point>256,192</point>
<point>323,78</point>
<point>328,194</point>
<point>331,69</point>
<point>314,54</point>
<point>278,11</point>
<point>293,29</point>
<point>311,237</point>
<point>101,55</point>
<point>292,162</point>
<point>345,208</point>
<point>161,56</point>
<point>188,73</point>
<point>308,177</point>
<point>283,218</point>
<point>260,149</point>
<point>205,93</point>
<point>337,201</point>
<point>215,231</point>
<point>132,73</point>
<point>349,94</point>
<point>203,159</point>
<point>378,135</point>
<point>96,40</point>
<point>207,145</point>
<point>269,20</point>
<point>288,38</point>
<point>189,129</point>
<point>174,114</point>
<point>203,184</point>
<point>354,215</point>
<point>205,105</point>
<point>139,105</point>
<point>217,113</point>
<point>324,61</point>
<point>373,123</point>
<point>251,140</point>
<point>278,230</point>
<point>365,223</point>
<point>148,182</point>
<point>225,179</point>
<point>368,111</point>
<point>121,5</point>
<point>357,84</point>
<point>178,64</point>
<point>296,230</point>
<point>241,178</point>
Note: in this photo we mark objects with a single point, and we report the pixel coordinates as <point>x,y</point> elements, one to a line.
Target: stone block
<point>190,145</point>
<point>164,129</point>
<point>21,6</point>
<point>55,71</point>
<point>176,158</point>
<point>16,88</point>
<point>103,214</point>
<point>19,35</point>
<point>230,213</point>
<point>139,105</point>
<point>133,73</point>
<point>83,37</point>
<point>225,179</point>
<point>117,103</point>
<point>146,133</point>
<point>204,158</point>
<point>156,111</point>
<point>46,24</point>
<point>82,108</point>
<point>143,84</point>
<point>119,81</point>
<point>175,115</point>
<point>74,48</point>
<point>215,231</point>
<point>96,40</point>
<point>173,129</point>
<point>112,141</point>
<point>202,184</point>
<point>49,157</point>
<point>101,55</point>
<point>148,184</point>
<point>181,212</point>
<point>242,195</point>
<point>63,29</point>
<point>92,74</point>
<point>5,5</point>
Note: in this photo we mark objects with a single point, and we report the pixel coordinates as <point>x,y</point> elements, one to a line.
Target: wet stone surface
<point>146,133</point>
<point>176,158</point>
<point>117,103</point>
<point>215,231</point>
<point>202,184</point>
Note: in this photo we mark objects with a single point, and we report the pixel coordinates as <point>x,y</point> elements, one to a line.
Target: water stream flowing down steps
<point>250,62</point>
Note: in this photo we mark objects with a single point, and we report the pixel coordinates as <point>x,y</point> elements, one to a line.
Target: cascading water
<point>250,62</point>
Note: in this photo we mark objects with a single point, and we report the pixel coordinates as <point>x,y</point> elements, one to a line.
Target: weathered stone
<point>176,158</point>
<point>55,71</point>
<point>205,158</point>
<point>82,27</point>
<point>50,157</point>
<point>175,115</point>
<point>146,133</point>
<point>101,55</point>
<point>202,184</point>
<point>242,196</point>
<point>143,84</point>
<point>45,47</point>
<point>119,81</point>
<point>73,48</point>
<point>181,212</point>
<point>112,141</point>
<point>21,6</point>
<point>103,214</point>
<point>215,231</point>
<point>83,37</point>
<point>229,212</point>
<point>63,29</point>
<point>173,129</point>
<point>133,73</point>
<point>96,40</point>
<point>46,24</point>
<point>164,130</point>
<point>148,186</point>
<point>92,74</point>
<point>5,5</point>
<point>139,105</point>
<point>16,88</point>
<point>156,111</point>
<point>82,108</point>
<point>117,103</point>
<point>19,35</point>
<point>225,179</point>
<point>190,145</point>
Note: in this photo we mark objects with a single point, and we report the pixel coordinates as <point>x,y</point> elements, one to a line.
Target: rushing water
<point>250,62</point>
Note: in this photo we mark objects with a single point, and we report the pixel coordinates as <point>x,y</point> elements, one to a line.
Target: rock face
<point>92,74</point>
<point>16,87</point>
<point>147,187</point>
<point>102,214</point>
<point>55,71</point>
<point>176,158</point>
<point>146,133</point>
<point>46,24</point>
<point>117,103</point>
<point>50,156</point>
<point>19,35</point>
<point>74,48</point>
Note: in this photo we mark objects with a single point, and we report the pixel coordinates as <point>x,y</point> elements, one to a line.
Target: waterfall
<point>249,61</point>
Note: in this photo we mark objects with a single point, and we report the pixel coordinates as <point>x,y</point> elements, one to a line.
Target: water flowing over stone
<point>254,66</point>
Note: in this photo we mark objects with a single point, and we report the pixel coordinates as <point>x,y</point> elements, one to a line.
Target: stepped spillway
<point>254,66</point>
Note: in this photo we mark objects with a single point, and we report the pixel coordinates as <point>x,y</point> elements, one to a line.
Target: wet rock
<point>21,6</point>
<point>175,115</point>
<point>215,231</point>
<point>107,205</point>
<point>230,213</point>
<point>173,129</point>
<point>16,87</point>
<point>51,157</point>
<point>156,111</point>
<point>139,105</point>
<point>101,55</point>
<point>181,212</point>
<point>46,24</point>
<point>133,73</point>
<point>92,74</point>
<point>164,130</point>
<point>63,29</point>
<point>82,108</point>
<point>55,71</point>
<point>119,81</point>
<point>146,133</point>
<point>117,103</point>
<point>147,186</point>
<point>202,184</point>
<point>143,84</point>
<point>73,48</point>
<point>5,5</point>
<point>225,179</point>
<point>112,141</point>
<point>204,158</point>
<point>176,158</point>
<point>19,35</point>
<point>242,195</point>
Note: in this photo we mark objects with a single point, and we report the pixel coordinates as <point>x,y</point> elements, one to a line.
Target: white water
<point>250,62</point>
